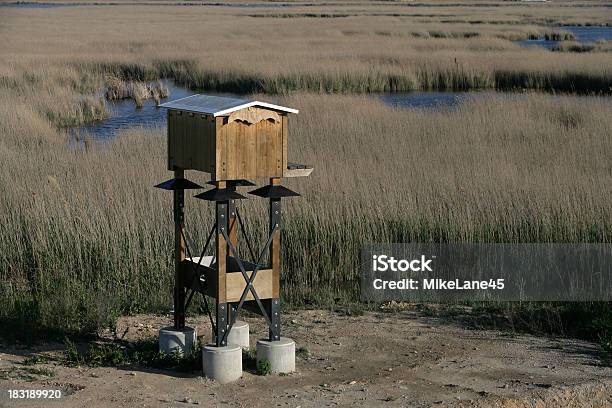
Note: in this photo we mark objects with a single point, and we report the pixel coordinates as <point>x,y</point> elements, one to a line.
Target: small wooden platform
<point>234,281</point>
<point>297,170</point>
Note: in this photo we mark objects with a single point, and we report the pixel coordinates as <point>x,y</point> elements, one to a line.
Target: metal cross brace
<point>249,282</point>
<point>195,273</point>
<point>195,267</point>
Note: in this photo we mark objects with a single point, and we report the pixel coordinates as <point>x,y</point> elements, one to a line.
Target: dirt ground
<point>401,359</point>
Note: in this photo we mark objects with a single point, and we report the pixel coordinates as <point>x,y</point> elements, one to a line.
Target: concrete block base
<point>222,364</point>
<point>172,340</point>
<point>239,335</point>
<point>280,354</point>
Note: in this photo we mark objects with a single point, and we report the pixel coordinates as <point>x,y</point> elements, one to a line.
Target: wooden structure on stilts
<point>235,141</point>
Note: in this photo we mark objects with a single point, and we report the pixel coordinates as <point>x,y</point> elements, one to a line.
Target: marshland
<point>529,161</point>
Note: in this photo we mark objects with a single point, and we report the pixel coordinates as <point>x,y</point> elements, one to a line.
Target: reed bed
<point>89,223</point>
<point>572,46</point>
<point>355,54</point>
<point>117,89</point>
<point>85,237</point>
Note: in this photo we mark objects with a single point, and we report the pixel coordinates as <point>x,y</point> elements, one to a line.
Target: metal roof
<point>218,105</point>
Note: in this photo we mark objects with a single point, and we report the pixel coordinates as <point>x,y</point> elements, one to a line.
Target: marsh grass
<point>358,53</point>
<point>86,237</point>
<point>87,110</point>
<point>588,321</point>
<point>572,46</point>
<point>554,36</point>
<point>117,89</point>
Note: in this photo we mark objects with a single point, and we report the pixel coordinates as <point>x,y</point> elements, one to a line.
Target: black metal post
<point>275,330</point>
<point>179,255</point>
<point>220,337</point>
<point>221,259</point>
<point>274,313</point>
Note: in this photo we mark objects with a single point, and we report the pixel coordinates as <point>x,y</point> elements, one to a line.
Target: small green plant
<point>249,358</point>
<point>105,355</point>
<point>72,356</point>
<point>142,353</point>
<point>39,371</point>
<point>264,367</point>
<point>33,360</point>
<point>607,345</point>
<point>25,373</point>
<point>302,352</point>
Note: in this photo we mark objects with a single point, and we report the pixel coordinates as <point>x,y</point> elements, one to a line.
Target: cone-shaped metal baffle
<point>178,184</point>
<point>274,192</point>
<point>220,194</point>
<point>234,183</point>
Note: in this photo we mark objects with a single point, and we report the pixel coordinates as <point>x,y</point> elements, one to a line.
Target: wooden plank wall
<point>249,151</point>
<point>235,284</point>
<point>191,141</point>
<point>228,151</point>
<point>173,159</point>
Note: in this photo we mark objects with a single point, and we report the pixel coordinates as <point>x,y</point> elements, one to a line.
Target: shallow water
<point>124,114</point>
<point>589,34</point>
<point>583,35</point>
<point>430,100</point>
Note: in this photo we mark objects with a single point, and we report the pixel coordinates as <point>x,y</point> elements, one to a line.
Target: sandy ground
<point>401,359</point>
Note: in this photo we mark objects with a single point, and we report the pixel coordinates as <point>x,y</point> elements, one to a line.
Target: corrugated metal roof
<point>218,105</point>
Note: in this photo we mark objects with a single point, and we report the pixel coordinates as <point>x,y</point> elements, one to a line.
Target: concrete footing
<point>172,340</point>
<point>280,354</point>
<point>222,364</point>
<point>239,335</point>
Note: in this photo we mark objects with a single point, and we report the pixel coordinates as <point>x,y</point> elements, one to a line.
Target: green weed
<point>143,353</point>
<point>34,359</point>
<point>302,352</point>
<point>249,358</point>
<point>264,367</point>
<point>25,373</point>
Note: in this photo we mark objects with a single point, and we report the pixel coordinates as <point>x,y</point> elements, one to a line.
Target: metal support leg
<point>179,254</point>
<point>221,255</point>
<point>221,338</point>
<point>275,253</point>
<point>275,329</point>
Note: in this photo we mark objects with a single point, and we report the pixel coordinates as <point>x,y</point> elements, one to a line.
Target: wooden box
<point>229,138</point>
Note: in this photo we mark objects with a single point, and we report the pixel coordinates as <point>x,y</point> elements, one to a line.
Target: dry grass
<point>572,46</point>
<point>228,50</point>
<point>116,89</point>
<point>87,222</point>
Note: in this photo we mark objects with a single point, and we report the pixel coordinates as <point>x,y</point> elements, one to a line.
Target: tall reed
<point>86,237</point>
<point>359,53</point>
